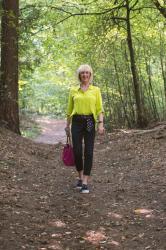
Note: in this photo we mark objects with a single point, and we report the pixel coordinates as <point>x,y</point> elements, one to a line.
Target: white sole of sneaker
<point>85,192</point>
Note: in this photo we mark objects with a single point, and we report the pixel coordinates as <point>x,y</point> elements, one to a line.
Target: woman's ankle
<point>85,179</point>
<point>80,175</point>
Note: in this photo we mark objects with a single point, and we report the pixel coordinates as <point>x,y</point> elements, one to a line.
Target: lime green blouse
<point>85,102</point>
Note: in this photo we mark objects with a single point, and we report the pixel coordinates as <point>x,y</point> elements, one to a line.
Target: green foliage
<point>51,50</point>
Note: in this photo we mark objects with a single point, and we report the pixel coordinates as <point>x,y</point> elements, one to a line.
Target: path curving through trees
<point>52,130</point>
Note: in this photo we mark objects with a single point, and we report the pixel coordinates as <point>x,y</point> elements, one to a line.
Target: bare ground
<point>40,209</point>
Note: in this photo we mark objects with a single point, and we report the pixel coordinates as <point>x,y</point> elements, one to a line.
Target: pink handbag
<point>68,154</point>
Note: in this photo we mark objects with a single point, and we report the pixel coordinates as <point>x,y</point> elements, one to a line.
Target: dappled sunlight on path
<point>52,130</point>
<point>41,209</point>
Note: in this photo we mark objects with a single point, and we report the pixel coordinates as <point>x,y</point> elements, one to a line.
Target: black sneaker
<point>84,189</point>
<point>79,184</point>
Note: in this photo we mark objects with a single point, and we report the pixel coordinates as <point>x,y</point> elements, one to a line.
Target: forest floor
<point>40,208</point>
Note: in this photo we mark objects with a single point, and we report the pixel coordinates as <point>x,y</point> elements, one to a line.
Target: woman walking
<point>84,111</point>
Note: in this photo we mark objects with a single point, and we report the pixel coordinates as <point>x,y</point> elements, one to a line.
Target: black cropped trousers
<point>79,132</point>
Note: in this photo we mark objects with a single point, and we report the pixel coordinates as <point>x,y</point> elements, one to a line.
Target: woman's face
<point>85,76</point>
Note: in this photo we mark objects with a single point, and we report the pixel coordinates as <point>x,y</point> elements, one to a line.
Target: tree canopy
<point>123,41</point>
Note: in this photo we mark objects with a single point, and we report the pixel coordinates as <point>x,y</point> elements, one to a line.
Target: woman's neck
<point>85,84</point>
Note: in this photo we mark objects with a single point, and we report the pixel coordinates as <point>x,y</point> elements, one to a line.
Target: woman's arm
<point>67,128</point>
<point>68,121</point>
<point>101,118</point>
<point>69,111</point>
<point>101,123</point>
<point>100,113</point>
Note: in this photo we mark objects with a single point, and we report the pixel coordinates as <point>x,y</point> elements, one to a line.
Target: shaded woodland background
<point>42,44</point>
<point>124,41</point>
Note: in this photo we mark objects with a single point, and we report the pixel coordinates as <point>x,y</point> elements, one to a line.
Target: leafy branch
<point>160,7</point>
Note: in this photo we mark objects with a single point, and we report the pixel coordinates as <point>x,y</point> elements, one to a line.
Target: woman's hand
<point>101,128</point>
<point>67,130</point>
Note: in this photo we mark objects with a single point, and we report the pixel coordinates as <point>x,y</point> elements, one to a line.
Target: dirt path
<point>52,131</point>
<point>41,210</point>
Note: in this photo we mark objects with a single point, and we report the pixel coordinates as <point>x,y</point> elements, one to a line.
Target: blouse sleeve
<point>99,104</point>
<point>70,104</point>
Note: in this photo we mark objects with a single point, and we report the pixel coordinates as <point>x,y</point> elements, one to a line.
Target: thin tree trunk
<point>129,88</point>
<point>109,102</point>
<point>149,89</point>
<point>163,74</point>
<point>141,121</point>
<point>161,8</point>
<point>151,92</point>
<point>9,110</point>
<point>163,65</point>
<point>120,92</point>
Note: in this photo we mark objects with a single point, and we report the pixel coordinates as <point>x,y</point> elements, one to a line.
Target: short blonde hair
<point>85,67</point>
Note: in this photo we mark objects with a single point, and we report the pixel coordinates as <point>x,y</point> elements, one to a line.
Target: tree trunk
<point>161,8</point>
<point>9,109</point>
<point>108,103</point>
<point>163,63</point>
<point>120,93</point>
<point>141,121</point>
<point>151,92</point>
<point>128,89</point>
